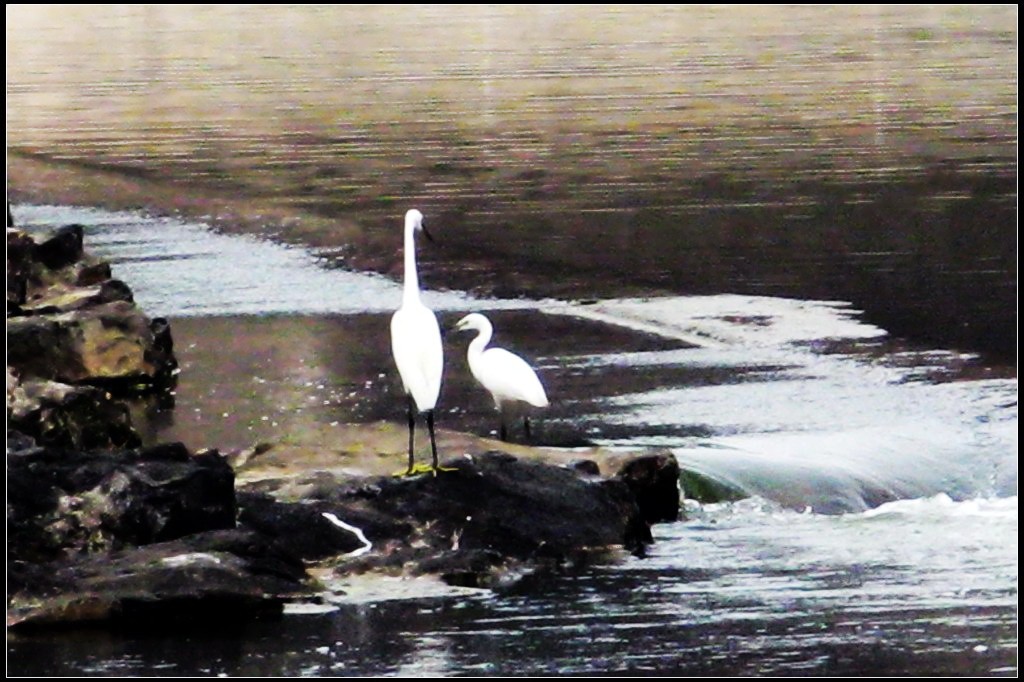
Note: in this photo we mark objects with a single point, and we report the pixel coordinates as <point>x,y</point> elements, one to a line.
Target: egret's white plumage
<point>506,376</point>
<point>416,342</point>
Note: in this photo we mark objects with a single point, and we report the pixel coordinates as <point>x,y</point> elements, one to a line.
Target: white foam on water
<point>943,506</point>
<point>836,431</point>
<point>729,320</point>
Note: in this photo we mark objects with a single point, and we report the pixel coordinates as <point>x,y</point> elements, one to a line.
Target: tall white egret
<point>416,343</point>
<point>511,382</point>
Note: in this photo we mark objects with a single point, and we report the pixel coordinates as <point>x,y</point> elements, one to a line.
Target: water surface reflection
<point>861,153</point>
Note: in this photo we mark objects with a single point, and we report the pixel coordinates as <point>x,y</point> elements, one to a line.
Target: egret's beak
<point>429,236</point>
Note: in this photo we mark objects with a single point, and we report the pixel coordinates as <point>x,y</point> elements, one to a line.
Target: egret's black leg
<point>433,441</point>
<point>412,430</point>
<point>503,431</point>
<point>526,427</point>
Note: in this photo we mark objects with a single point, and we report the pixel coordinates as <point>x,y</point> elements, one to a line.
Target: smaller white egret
<point>416,343</point>
<point>511,382</point>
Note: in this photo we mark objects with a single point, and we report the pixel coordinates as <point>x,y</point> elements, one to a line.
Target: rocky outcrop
<point>44,269</point>
<point>63,249</point>
<point>99,529</point>
<point>135,534</point>
<point>484,517</point>
<point>62,503</point>
<point>209,578</point>
<point>76,341</point>
<point>105,343</point>
<point>146,535</point>
<point>72,417</point>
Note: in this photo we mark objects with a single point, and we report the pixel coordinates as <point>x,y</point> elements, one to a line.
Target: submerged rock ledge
<point>102,530</point>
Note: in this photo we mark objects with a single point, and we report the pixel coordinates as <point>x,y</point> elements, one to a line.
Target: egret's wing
<point>508,377</point>
<point>416,346</point>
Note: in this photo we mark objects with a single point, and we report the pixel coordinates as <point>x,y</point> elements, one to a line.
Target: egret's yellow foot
<point>416,469</point>
<point>422,469</point>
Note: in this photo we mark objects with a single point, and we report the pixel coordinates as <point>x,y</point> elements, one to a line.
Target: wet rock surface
<point>144,536</point>
<point>68,416</point>
<point>488,509</point>
<point>77,345</point>
<point>223,576</point>
<point>116,536</point>
<point>93,342</point>
<point>483,520</point>
<point>63,503</point>
<point>654,481</point>
<point>299,528</point>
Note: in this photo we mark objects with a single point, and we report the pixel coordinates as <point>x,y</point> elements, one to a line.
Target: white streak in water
<point>179,560</point>
<point>367,545</point>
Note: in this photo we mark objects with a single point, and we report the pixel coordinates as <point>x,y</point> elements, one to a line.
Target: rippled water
<point>865,153</point>
<point>820,418</point>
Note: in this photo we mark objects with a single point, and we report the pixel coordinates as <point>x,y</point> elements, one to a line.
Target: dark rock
<point>496,509</point>
<point>300,529</point>
<point>61,503</point>
<point>20,251</point>
<point>92,273</point>
<point>47,275</point>
<point>161,352</point>
<point>587,467</point>
<point>62,249</point>
<point>109,342</point>
<point>79,504</point>
<point>19,443</point>
<point>68,299</point>
<point>379,525</point>
<point>654,482</point>
<point>69,322</point>
<point>153,501</point>
<point>73,417</point>
<point>215,577</point>
<point>167,452</point>
<point>478,568</point>
<point>35,342</point>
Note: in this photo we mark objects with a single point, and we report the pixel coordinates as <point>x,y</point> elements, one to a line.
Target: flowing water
<point>876,533</point>
<point>678,214</point>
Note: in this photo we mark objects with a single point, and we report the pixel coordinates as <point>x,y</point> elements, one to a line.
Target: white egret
<point>416,343</point>
<point>511,382</point>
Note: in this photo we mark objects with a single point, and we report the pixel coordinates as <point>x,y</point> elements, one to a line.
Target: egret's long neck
<point>483,337</point>
<point>411,292</point>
